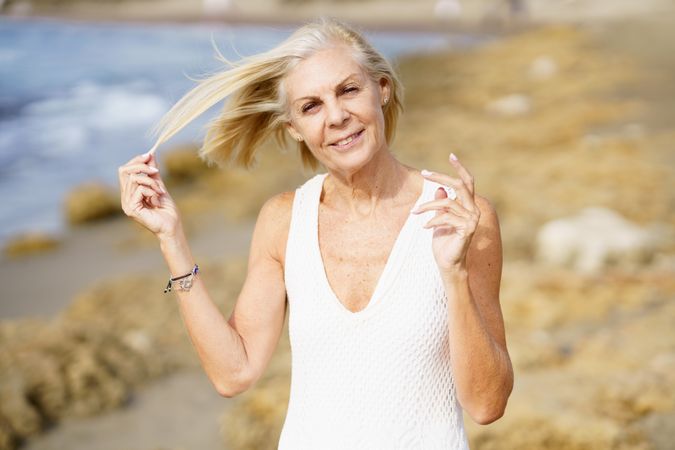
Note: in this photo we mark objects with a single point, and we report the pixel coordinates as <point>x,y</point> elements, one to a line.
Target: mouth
<point>349,141</point>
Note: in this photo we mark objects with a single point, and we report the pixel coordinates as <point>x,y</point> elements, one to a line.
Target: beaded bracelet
<point>184,281</point>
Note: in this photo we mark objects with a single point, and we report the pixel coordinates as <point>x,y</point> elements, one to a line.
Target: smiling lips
<point>348,140</point>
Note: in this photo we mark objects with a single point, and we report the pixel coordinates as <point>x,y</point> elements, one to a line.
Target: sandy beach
<point>593,354</point>
<point>79,263</point>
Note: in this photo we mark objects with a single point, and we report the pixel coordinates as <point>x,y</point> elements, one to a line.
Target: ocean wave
<point>99,107</point>
<point>48,133</point>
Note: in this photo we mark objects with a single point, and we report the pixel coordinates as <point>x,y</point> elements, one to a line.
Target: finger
<point>125,173</point>
<point>140,195</point>
<point>152,161</point>
<point>147,181</point>
<point>441,205</point>
<point>153,172</point>
<point>450,192</point>
<point>138,159</point>
<point>455,183</point>
<point>442,178</point>
<point>466,198</point>
<point>447,219</point>
<point>138,168</point>
<point>443,192</point>
<point>150,197</point>
<point>439,195</point>
<point>463,173</point>
<point>459,186</point>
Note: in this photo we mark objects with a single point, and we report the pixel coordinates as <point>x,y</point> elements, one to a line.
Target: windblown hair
<point>256,106</point>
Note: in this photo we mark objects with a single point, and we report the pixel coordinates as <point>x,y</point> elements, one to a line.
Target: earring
<point>386,99</point>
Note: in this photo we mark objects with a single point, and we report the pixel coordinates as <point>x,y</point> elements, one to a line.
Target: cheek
<point>377,119</point>
<point>312,129</point>
<point>309,125</point>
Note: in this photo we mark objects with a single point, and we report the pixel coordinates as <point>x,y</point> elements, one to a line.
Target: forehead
<point>322,71</point>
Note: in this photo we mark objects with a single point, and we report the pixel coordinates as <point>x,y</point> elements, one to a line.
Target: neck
<point>371,187</point>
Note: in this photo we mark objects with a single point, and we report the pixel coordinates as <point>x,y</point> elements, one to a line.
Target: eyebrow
<point>344,81</point>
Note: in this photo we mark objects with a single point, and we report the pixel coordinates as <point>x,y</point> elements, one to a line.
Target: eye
<point>308,107</point>
<point>350,89</point>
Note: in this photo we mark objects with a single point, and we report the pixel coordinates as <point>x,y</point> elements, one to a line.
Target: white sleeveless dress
<point>379,378</point>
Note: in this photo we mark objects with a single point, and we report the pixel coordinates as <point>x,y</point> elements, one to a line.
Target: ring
<point>452,194</point>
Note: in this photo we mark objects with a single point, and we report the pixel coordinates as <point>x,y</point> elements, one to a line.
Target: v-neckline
<point>393,260</point>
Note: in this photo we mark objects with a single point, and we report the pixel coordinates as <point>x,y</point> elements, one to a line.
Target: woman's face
<point>336,109</point>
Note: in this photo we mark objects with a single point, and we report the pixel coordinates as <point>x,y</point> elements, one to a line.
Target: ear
<point>385,91</point>
<point>293,132</point>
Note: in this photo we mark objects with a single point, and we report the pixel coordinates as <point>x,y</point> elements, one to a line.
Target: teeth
<point>346,141</point>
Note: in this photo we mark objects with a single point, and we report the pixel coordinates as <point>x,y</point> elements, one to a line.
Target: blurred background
<point>562,110</point>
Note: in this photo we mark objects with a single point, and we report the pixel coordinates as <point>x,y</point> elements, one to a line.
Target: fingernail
<point>425,173</point>
<point>153,169</point>
<point>453,157</point>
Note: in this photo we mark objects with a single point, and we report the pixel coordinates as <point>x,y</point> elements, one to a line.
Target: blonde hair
<point>256,106</point>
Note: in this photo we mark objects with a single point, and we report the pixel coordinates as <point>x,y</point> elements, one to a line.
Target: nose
<point>337,114</point>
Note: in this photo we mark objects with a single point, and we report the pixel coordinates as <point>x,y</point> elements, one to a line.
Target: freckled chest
<point>355,253</point>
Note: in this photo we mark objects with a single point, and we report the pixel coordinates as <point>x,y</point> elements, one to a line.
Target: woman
<point>392,284</point>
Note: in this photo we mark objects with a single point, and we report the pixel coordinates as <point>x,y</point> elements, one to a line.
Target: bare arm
<point>480,360</point>
<point>260,310</point>
<point>218,345</point>
<point>235,353</point>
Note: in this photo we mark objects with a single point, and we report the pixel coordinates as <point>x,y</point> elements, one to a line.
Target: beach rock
<point>542,68</point>
<point>537,349</point>
<point>65,367</point>
<point>562,430</point>
<point>631,395</point>
<point>593,239</point>
<point>183,164</point>
<point>256,418</point>
<point>511,105</point>
<point>91,202</point>
<point>45,385</point>
<point>93,387</point>
<point>29,243</point>
<point>7,440</point>
<point>660,429</point>
<point>16,411</point>
<point>18,8</point>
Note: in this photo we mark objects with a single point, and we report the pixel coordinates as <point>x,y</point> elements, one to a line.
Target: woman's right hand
<point>144,196</point>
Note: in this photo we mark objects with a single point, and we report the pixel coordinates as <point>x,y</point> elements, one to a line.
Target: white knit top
<point>379,378</point>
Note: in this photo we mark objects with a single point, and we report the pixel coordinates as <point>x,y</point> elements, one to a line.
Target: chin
<point>352,162</point>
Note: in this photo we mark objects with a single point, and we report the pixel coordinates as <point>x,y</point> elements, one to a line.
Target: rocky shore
<point>551,121</point>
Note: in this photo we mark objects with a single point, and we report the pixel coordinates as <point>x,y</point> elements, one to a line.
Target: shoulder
<point>488,213</point>
<point>278,206</point>
<point>274,222</point>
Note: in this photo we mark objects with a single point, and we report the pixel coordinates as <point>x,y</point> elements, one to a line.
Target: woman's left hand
<point>455,221</point>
